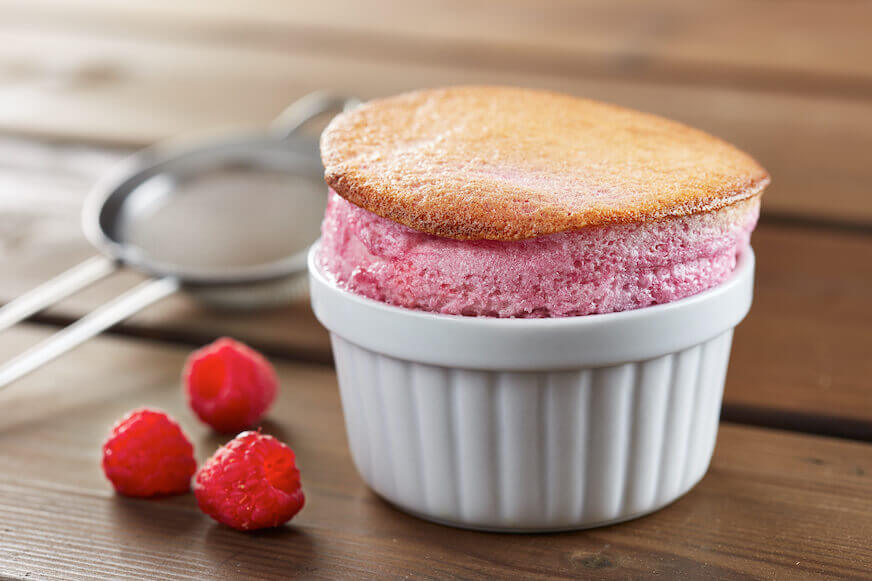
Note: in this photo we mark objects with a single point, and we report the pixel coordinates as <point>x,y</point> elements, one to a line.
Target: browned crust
<point>501,163</point>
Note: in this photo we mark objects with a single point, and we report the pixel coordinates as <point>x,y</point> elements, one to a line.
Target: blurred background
<point>85,82</point>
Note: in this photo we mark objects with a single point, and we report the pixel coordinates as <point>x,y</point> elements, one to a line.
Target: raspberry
<point>147,454</point>
<point>252,482</point>
<point>229,385</point>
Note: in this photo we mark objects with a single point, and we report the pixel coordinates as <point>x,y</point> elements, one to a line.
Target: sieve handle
<point>309,107</point>
<point>57,289</point>
<point>88,326</point>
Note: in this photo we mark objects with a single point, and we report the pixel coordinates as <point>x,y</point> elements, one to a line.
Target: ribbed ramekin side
<point>532,450</point>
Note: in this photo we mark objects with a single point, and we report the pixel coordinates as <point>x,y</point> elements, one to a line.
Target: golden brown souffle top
<point>503,163</point>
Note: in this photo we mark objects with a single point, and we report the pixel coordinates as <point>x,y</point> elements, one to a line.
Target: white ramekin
<point>532,424</point>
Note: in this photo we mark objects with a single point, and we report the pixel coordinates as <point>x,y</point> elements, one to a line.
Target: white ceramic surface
<point>532,424</point>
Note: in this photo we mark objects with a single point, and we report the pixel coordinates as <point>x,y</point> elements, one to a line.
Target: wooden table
<point>83,82</point>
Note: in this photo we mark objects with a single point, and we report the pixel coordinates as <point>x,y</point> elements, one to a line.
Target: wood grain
<point>85,84</point>
<point>806,346</point>
<point>746,42</point>
<point>774,505</point>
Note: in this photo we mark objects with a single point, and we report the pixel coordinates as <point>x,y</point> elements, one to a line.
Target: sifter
<point>226,220</point>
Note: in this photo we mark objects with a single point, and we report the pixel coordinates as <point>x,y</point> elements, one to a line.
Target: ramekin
<point>532,424</point>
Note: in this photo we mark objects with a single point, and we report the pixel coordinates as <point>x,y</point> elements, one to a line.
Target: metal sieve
<point>228,220</point>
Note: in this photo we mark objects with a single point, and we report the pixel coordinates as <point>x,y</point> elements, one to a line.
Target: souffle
<point>507,202</point>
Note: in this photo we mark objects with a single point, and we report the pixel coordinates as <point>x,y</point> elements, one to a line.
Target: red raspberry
<point>147,454</point>
<point>229,385</point>
<point>252,482</point>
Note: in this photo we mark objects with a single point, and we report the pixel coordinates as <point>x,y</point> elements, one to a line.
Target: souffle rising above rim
<point>507,202</point>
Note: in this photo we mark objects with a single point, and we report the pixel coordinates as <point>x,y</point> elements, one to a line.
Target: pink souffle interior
<point>601,269</point>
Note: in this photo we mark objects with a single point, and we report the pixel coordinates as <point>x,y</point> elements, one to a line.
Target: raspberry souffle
<point>505,202</point>
<point>531,299</point>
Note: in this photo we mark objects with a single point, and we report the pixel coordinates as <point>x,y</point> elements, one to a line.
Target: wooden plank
<point>807,334</point>
<point>744,42</point>
<point>104,86</point>
<point>773,504</point>
<point>805,347</point>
